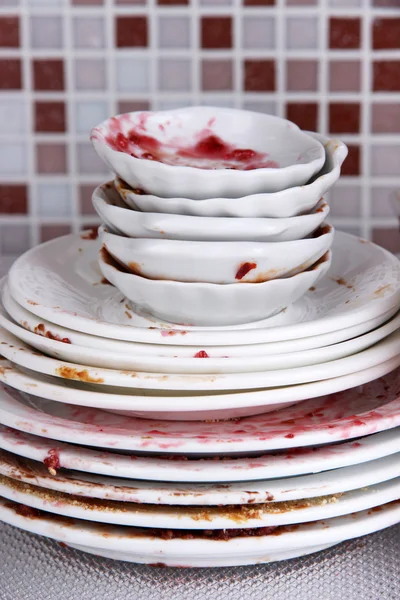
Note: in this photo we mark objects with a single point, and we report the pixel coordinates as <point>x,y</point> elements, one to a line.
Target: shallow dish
<point>133,223</point>
<point>60,281</point>
<point>210,151</point>
<point>283,463</point>
<point>211,304</point>
<point>287,203</point>
<point>145,546</point>
<point>217,262</point>
<point>356,412</point>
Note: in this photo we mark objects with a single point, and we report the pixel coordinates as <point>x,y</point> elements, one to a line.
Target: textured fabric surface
<point>33,568</point>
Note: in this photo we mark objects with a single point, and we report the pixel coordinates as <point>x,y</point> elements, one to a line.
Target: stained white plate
<point>284,463</point>
<point>200,517</point>
<point>141,545</point>
<point>92,360</point>
<point>150,402</point>
<point>351,414</point>
<point>196,494</point>
<point>56,281</point>
<point>52,331</point>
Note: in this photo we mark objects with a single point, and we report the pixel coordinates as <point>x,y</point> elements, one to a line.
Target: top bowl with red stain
<point>204,152</point>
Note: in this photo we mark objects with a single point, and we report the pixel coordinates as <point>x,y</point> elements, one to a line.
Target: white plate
<point>141,545</point>
<point>284,463</point>
<point>51,332</point>
<point>121,219</point>
<point>269,514</point>
<point>55,281</point>
<point>16,351</point>
<point>351,414</point>
<point>287,203</point>
<point>286,156</point>
<point>217,262</point>
<point>180,494</point>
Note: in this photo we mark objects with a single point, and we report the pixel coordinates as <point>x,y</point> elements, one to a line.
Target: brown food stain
<point>380,292</point>
<point>32,302</point>
<point>128,314</point>
<point>341,281</point>
<point>71,373</point>
<point>90,234</point>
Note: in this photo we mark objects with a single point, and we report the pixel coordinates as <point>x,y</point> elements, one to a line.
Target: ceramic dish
<point>207,151</point>
<point>133,223</point>
<point>103,347</point>
<point>60,281</point>
<point>169,494</point>
<point>217,262</point>
<point>141,545</point>
<point>284,463</point>
<point>210,304</point>
<point>100,382</point>
<point>287,203</point>
<point>15,350</point>
<point>350,414</point>
<point>270,514</point>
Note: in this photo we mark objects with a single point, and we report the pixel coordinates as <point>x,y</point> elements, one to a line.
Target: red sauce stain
<point>169,332</point>
<point>290,436</point>
<point>62,545</point>
<point>41,330</point>
<point>24,511</point>
<point>356,445</point>
<point>244,269</point>
<point>52,461</point>
<point>201,354</point>
<point>208,146</point>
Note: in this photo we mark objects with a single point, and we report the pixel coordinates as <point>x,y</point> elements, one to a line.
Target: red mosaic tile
<point>172,2</point>
<point>51,158</point>
<point>388,238</point>
<point>10,74</point>
<point>49,232</point>
<point>13,199</point>
<point>216,32</point>
<point>50,117</point>
<point>125,106</point>
<point>85,199</point>
<point>216,75</point>
<point>386,76</point>
<point>345,76</point>
<point>344,117</point>
<point>344,33</point>
<point>302,75</point>
<point>352,164</point>
<point>385,118</point>
<point>304,114</point>
<point>9,32</point>
<point>259,2</point>
<point>259,75</point>
<point>48,75</point>
<point>386,34</point>
<point>131,32</point>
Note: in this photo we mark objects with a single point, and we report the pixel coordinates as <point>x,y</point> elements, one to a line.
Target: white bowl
<point>207,151</point>
<point>287,203</point>
<point>132,223</point>
<point>216,262</point>
<point>210,304</point>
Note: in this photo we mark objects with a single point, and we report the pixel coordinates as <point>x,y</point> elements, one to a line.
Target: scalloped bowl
<point>217,262</point>
<point>126,221</point>
<point>287,203</point>
<point>211,304</point>
<point>203,152</point>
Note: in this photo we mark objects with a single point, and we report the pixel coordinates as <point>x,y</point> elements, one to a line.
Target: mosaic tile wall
<point>329,65</point>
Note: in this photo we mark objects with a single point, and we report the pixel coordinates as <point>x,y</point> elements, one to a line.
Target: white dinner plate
<point>104,367</point>
<point>60,281</point>
<point>52,331</point>
<point>197,494</point>
<point>351,414</point>
<point>282,463</point>
<point>197,549</point>
<point>268,514</point>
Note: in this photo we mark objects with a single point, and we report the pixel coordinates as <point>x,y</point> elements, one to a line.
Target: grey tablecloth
<point>32,568</point>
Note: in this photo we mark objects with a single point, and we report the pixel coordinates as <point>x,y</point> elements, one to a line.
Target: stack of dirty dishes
<point>214,380</point>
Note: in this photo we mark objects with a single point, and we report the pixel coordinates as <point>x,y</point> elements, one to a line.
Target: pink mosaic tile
<point>51,158</point>
<point>217,75</point>
<point>302,75</point>
<point>345,76</point>
<point>385,117</point>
